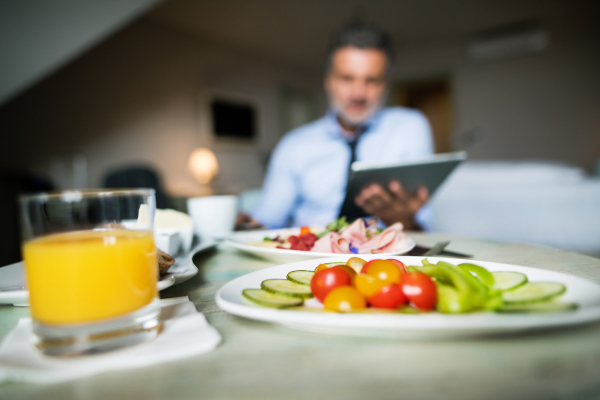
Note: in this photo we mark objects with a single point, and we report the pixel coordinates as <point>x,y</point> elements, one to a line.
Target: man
<point>307,175</point>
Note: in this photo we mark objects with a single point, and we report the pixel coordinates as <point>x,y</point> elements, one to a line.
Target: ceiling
<point>297,31</point>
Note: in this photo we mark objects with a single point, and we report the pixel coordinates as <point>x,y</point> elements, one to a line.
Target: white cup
<point>213,216</point>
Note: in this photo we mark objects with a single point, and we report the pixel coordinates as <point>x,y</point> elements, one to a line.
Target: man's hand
<point>244,222</point>
<point>393,204</point>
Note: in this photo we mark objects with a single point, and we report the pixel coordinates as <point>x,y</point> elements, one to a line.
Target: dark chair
<point>137,177</point>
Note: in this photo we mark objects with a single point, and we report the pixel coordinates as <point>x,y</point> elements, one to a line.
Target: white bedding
<point>532,202</point>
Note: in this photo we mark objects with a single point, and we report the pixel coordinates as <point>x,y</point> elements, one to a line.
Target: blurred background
<point>97,93</point>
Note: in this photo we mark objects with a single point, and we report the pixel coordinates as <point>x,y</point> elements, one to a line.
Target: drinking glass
<point>91,268</point>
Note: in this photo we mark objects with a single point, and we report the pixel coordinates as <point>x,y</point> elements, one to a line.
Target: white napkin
<point>186,333</point>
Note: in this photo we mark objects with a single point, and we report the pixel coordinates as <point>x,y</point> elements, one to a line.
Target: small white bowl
<point>174,240</point>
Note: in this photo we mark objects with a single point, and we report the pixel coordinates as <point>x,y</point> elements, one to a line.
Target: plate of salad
<point>411,297</point>
<point>339,237</point>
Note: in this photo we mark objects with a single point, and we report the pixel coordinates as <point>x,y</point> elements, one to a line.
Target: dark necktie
<point>349,209</point>
<point>352,146</point>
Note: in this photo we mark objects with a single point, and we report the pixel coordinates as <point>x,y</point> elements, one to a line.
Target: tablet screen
<point>429,172</point>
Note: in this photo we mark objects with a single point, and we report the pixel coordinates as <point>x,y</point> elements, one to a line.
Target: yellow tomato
<point>368,285</point>
<point>345,299</point>
<point>346,268</point>
<point>323,266</point>
<point>385,270</point>
<point>356,263</point>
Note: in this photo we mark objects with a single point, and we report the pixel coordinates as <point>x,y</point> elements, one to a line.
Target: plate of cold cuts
<point>297,244</point>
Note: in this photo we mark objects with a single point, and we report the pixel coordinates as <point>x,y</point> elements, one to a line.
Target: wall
<point>38,36</point>
<point>542,106</point>
<point>139,98</point>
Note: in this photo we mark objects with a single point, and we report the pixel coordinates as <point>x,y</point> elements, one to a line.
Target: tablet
<point>429,172</point>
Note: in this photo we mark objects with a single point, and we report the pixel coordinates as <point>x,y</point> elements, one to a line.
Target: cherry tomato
<point>368,285</point>
<point>356,263</point>
<point>304,229</point>
<point>345,299</point>
<point>385,270</point>
<point>389,296</point>
<point>398,263</point>
<point>346,268</point>
<point>365,267</point>
<point>325,280</point>
<point>420,290</point>
<point>324,266</point>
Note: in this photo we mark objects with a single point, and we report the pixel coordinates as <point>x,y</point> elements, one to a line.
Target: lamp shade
<point>203,165</point>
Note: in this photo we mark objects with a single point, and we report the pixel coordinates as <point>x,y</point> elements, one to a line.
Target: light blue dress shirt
<point>307,175</point>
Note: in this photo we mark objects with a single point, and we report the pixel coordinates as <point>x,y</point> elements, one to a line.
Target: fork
<point>436,249</point>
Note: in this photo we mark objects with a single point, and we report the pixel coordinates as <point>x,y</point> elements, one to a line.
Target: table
<point>262,361</point>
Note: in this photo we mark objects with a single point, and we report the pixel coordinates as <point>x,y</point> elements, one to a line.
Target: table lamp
<point>204,166</point>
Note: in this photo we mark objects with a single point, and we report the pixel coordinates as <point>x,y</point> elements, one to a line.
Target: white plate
<point>239,240</point>
<point>12,277</point>
<point>423,326</point>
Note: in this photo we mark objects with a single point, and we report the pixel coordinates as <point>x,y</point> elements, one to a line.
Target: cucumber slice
<point>263,298</point>
<point>301,277</point>
<point>283,287</point>
<point>508,280</point>
<point>533,292</point>
<point>545,306</point>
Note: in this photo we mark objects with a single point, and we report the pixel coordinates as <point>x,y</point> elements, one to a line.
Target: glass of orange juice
<point>91,269</point>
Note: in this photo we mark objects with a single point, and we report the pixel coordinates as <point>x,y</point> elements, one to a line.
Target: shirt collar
<point>335,130</point>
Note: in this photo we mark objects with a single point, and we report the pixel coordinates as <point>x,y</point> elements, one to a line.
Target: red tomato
<point>366,266</point>
<point>388,297</point>
<point>398,263</point>
<point>346,268</point>
<point>325,280</point>
<point>420,290</point>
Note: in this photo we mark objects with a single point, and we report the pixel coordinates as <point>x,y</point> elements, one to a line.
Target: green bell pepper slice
<point>451,301</point>
<point>455,295</point>
<point>459,291</point>
<point>483,274</point>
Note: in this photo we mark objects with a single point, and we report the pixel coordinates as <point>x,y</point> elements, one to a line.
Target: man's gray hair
<point>363,36</point>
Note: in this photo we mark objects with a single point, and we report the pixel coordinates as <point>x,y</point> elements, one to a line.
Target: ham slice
<point>391,239</point>
<point>324,245</point>
<point>355,233</point>
<point>332,243</point>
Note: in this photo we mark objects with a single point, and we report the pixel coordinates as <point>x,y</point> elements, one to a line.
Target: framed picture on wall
<point>233,119</point>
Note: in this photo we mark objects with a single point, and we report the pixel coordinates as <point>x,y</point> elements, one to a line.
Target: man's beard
<point>354,120</point>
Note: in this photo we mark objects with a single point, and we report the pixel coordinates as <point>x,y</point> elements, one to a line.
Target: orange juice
<point>88,276</point>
